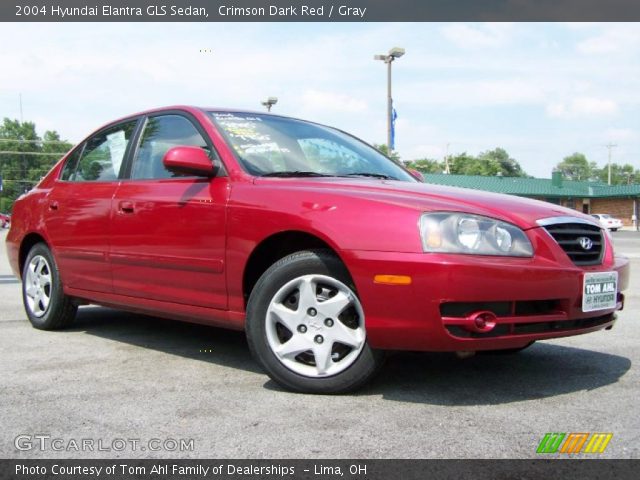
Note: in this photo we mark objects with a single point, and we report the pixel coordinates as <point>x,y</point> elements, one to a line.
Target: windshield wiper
<point>295,173</point>
<point>304,173</point>
<point>372,175</point>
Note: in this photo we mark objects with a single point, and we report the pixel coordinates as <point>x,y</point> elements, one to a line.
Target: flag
<point>394,115</point>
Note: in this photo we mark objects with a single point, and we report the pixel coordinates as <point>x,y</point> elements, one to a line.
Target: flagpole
<point>395,52</point>
<point>389,107</point>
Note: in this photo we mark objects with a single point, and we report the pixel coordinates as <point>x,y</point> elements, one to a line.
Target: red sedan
<point>323,250</point>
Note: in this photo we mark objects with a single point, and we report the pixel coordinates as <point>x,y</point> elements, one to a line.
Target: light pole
<point>395,52</point>
<point>270,102</point>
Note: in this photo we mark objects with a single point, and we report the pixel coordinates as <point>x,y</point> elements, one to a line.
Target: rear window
<point>101,156</point>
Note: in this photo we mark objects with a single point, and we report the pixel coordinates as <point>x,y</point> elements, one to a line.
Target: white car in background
<point>607,221</point>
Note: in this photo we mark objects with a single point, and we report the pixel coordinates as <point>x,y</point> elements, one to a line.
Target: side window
<point>70,166</point>
<point>160,134</point>
<point>103,154</point>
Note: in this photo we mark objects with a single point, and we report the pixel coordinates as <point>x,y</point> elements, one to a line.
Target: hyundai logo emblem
<point>585,242</point>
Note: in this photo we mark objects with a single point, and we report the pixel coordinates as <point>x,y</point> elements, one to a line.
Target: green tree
<point>490,163</point>
<point>620,174</point>
<point>385,150</point>
<point>462,164</point>
<point>25,157</point>
<point>427,165</point>
<point>465,164</point>
<point>577,167</point>
<point>507,166</point>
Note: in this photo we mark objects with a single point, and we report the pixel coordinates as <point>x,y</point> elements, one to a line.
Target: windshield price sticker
<point>599,291</point>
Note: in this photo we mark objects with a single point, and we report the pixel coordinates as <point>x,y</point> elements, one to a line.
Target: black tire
<point>314,267</point>
<point>60,311</point>
<point>507,351</point>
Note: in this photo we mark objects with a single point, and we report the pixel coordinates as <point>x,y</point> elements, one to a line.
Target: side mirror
<point>189,161</point>
<point>416,174</point>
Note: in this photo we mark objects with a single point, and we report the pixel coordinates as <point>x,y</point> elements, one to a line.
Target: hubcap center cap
<point>315,324</point>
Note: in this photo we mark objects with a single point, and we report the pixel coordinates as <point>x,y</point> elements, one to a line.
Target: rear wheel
<point>305,326</point>
<point>47,307</point>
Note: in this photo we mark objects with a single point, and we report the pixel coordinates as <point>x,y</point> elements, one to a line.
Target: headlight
<point>449,232</point>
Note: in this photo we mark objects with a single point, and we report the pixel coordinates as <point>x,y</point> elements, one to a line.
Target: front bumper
<point>533,298</point>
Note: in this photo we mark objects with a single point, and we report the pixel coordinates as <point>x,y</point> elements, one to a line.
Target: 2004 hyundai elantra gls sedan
<point>323,250</point>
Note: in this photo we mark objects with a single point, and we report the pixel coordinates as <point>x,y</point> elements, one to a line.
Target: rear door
<point>168,231</point>
<point>78,209</point>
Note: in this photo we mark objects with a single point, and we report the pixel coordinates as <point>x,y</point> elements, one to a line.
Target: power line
<point>447,170</point>
<point>31,141</point>
<point>8,152</point>
<point>8,180</point>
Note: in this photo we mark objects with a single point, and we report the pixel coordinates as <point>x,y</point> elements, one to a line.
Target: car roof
<point>193,108</point>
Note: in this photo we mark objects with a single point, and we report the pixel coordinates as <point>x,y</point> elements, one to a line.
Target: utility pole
<point>389,109</point>
<point>21,118</point>
<point>609,147</point>
<point>394,53</point>
<point>446,161</point>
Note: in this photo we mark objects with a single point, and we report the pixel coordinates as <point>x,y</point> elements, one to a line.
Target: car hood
<point>523,212</point>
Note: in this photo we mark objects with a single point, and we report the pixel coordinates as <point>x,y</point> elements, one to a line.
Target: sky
<point>542,91</point>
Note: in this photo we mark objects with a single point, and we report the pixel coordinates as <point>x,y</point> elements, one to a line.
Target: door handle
<point>126,207</point>
<point>53,205</point>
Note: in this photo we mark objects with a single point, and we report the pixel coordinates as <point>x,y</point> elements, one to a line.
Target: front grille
<point>544,327</point>
<point>569,235</point>
<point>506,329</point>
<point>501,309</point>
<point>510,316</point>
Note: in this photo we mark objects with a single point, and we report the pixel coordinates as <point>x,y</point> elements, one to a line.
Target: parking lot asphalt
<point>116,375</point>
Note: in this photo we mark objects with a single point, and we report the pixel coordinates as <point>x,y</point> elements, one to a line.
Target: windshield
<point>269,145</point>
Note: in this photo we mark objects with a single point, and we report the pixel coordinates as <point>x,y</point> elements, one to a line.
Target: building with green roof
<point>621,201</point>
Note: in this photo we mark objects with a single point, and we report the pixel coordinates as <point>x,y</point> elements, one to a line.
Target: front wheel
<point>47,307</point>
<point>306,326</point>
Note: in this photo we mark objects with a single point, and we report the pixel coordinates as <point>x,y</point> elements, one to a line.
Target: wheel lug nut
<point>318,339</point>
<point>312,312</point>
<point>328,322</point>
<point>302,328</point>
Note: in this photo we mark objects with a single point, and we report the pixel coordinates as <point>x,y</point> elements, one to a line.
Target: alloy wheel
<point>315,326</point>
<point>38,285</point>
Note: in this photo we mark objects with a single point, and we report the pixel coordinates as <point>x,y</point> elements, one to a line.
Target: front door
<point>168,231</point>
